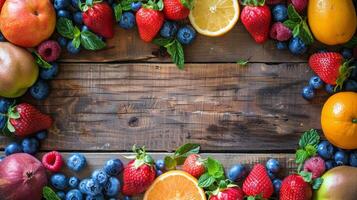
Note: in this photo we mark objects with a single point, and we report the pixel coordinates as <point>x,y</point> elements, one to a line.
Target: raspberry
<point>315,165</point>
<point>273,2</point>
<point>280,32</point>
<point>52,161</point>
<point>49,50</point>
<point>299,5</point>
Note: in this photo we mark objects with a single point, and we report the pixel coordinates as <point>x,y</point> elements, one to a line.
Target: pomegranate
<point>22,177</point>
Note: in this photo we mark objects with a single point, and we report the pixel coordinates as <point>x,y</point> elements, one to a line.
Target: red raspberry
<point>194,166</point>
<point>52,161</point>
<point>49,50</point>
<point>299,5</point>
<point>280,32</point>
<point>315,165</point>
<point>273,2</point>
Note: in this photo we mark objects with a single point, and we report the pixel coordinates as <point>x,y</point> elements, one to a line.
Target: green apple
<point>18,70</point>
<point>339,183</point>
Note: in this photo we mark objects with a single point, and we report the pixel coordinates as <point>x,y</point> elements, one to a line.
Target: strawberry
<point>330,67</point>
<point>99,18</point>
<point>230,193</point>
<point>139,174</point>
<point>258,183</point>
<point>149,19</point>
<point>52,161</point>
<point>25,119</point>
<point>256,18</point>
<point>294,187</point>
<point>177,9</point>
<point>194,165</point>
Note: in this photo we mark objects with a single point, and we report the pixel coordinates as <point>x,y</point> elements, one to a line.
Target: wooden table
<point>104,102</point>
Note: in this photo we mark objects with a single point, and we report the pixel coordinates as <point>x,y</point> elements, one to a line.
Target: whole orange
<point>339,120</point>
<point>27,23</point>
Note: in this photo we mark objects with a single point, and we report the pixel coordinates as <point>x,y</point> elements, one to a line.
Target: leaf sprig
<point>307,147</point>
<point>174,49</point>
<point>180,155</point>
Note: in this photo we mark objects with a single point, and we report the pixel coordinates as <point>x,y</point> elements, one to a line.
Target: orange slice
<point>175,185</point>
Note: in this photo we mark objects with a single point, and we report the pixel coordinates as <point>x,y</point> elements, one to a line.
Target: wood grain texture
<point>237,44</point>
<point>224,107</point>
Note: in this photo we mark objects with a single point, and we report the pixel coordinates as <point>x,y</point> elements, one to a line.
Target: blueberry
<point>96,197</point>
<point>169,29</point>
<point>353,158</point>
<point>2,158</point>
<point>113,167</point>
<point>59,181</point>
<point>92,187</point>
<point>2,38</point>
<point>3,121</point>
<point>127,198</point>
<point>112,187</point>
<point>13,148</point>
<point>64,13</point>
<point>50,73</point>
<point>350,85</point>
<point>347,53</point>
<point>277,185</point>
<point>236,172</point>
<point>308,93</point>
<point>83,186</point>
<point>271,175</point>
<point>325,150</point>
<point>158,172</point>
<point>330,88</point>
<point>135,6</point>
<point>76,162</point>
<point>127,20</point>
<point>160,164</point>
<point>75,4</point>
<point>41,135</point>
<point>77,18</point>
<point>100,177</point>
<point>71,49</point>
<point>74,194</point>
<point>316,82</point>
<point>61,195</point>
<point>273,165</point>
<point>186,35</point>
<point>5,105</point>
<point>329,164</point>
<point>297,46</point>
<point>341,157</point>
<point>73,182</point>
<point>281,45</point>
<point>62,41</point>
<point>85,28</point>
<point>61,4</point>
<point>280,13</point>
<point>30,145</point>
<point>40,90</point>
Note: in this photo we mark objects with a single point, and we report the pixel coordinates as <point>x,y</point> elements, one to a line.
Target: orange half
<point>175,185</point>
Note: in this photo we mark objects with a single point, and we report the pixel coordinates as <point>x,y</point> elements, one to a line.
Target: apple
<point>27,23</point>
<point>18,70</point>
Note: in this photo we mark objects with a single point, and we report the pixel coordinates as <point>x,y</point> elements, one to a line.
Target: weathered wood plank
<point>237,44</point>
<point>224,107</point>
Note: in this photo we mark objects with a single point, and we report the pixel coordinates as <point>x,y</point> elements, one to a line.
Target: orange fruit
<point>339,120</point>
<point>175,185</point>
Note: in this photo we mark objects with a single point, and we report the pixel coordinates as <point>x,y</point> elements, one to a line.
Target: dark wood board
<point>237,44</point>
<point>224,107</point>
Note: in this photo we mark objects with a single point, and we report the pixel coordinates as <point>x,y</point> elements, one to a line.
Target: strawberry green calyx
<point>155,5</point>
<point>187,3</point>
<point>253,2</point>
<point>12,114</point>
<point>223,184</point>
<point>89,3</point>
<point>345,72</point>
<point>258,197</point>
<point>142,157</point>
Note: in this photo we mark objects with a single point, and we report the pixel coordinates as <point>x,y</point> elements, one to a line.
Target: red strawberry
<point>139,174</point>
<point>194,166</point>
<point>330,67</point>
<point>26,119</point>
<point>99,18</point>
<point>149,21</point>
<point>231,193</point>
<point>256,19</point>
<point>294,187</point>
<point>258,183</point>
<point>176,10</point>
<point>52,161</point>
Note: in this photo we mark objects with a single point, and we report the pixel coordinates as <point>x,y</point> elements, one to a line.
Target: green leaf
<point>187,149</point>
<point>352,43</point>
<point>65,27</point>
<point>49,194</point>
<point>251,198</point>
<point>187,3</point>
<point>305,33</point>
<point>170,163</point>
<point>214,168</point>
<point>290,24</point>
<point>90,41</point>
<point>242,62</point>
<point>160,5</point>
<point>76,42</point>
<point>175,50</point>
<point>300,156</point>
<point>293,14</point>
<point>311,137</point>
<point>296,31</point>
<point>206,180</point>
<point>40,61</point>
<point>118,11</point>
<point>307,176</point>
<point>310,150</point>
<point>162,41</point>
<point>76,32</point>
<point>316,183</point>
<point>10,127</point>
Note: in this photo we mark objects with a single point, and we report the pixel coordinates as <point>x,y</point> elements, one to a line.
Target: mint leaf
<point>296,31</point>
<point>307,176</point>
<point>91,41</point>
<point>175,50</point>
<point>300,156</point>
<point>242,62</point>
<point>187,3</point>
<point>41,62</point>
<point>311,137</point>
<point>352,43</point>
<point>118,12</point>
<point>290,24</point>
<point>214,168</point>
<point>162,41</point>
<point>170,163</point>
<point>49,194</point>
<point>305,33</point>
<point>206,180</point>
<point>76,42</point>
<point>311,150</point>
<point>316,183</point>
<point>187,149</point>
<point>65,27</point>
<point>293,14</point>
